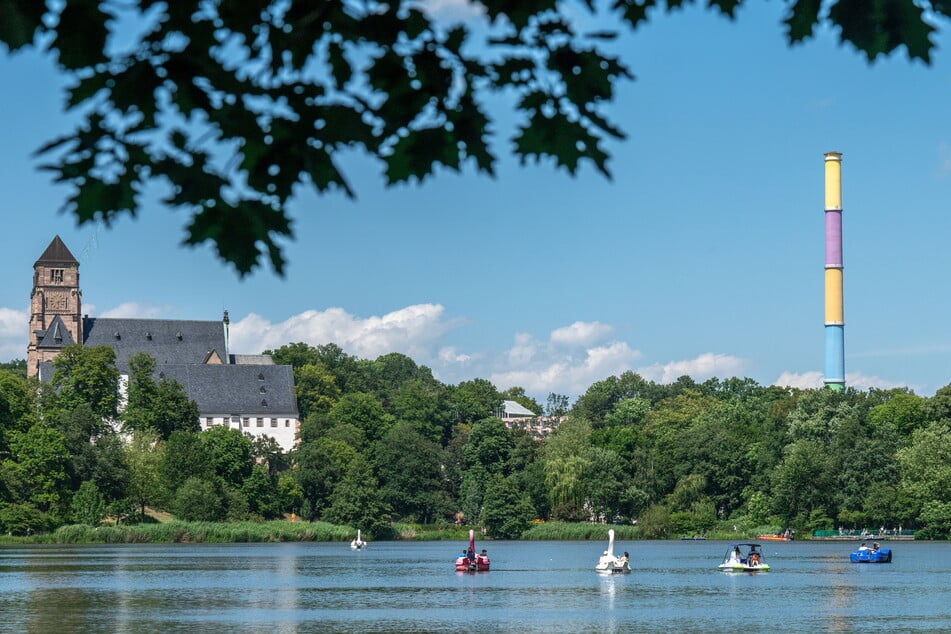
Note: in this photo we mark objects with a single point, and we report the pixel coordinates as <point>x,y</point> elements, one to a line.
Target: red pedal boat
<point>469,561</point>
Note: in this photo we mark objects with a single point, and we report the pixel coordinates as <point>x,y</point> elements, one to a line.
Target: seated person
<point>863,546</point>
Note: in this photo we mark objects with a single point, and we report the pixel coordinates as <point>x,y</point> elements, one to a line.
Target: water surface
<point>412,587</point>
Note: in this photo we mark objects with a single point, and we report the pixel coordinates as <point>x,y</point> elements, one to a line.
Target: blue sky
<point>704,256</point>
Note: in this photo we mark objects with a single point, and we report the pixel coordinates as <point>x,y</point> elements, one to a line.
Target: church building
<point>246,392</point>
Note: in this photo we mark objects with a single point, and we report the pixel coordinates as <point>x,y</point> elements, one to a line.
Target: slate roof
<point>251,390</point>
<point>169,341</point>
<point>56,253</point>
<point>56,336</point>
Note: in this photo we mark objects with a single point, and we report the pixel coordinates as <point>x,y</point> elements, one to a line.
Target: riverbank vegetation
<point>386,448</point>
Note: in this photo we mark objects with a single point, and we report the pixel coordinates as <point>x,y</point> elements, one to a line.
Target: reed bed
<point>198,532</point>
<point>565,531</point>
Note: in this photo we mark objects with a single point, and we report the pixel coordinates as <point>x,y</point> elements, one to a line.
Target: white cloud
<point>580,333</point>
<point>523,351</point>
<point>14,333</point>
<point>415,331</point>
<point>555,371</point>
<point>814,379</point>
<point>135,310</point>
<point>448,354</point>
<point>804,381</point>
<point>703,367</point>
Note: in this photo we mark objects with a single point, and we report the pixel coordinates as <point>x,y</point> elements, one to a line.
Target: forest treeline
<point>383,441</point>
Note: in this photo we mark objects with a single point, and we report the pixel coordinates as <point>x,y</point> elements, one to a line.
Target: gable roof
<point>169,341</point>
<point>56,336</point>
<point>56,253</point>
<point>255,390</point>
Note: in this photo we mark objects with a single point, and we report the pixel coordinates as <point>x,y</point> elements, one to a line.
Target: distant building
<point>517,416</point>
<point>246,392</point>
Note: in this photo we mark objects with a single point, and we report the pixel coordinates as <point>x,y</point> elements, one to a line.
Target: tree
<point>161,405</point>
<point>86,375</point>
<point>144,457</point>
<point>229,453</point>
<point>357,501</point>
<point>284,86</point>
<point>410,466</point>
<point>507,512</point>
<point>87,506</point>
<point>199,500</point>
<point>363,411</point>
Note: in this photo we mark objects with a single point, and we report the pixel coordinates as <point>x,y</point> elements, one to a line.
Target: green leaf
<point>237,229</point>
<point>802,19</point>
<point>878,27</point>
<point>633,11</point>
<point>20,21</point>
<point>81,34</point>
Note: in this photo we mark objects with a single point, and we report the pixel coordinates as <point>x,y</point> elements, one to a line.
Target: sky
<point>703,256</point>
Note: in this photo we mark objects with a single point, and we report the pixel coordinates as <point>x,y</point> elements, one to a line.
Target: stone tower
<point>55,306</point>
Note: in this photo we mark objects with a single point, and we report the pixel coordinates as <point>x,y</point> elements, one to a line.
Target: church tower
<point>55,306</point>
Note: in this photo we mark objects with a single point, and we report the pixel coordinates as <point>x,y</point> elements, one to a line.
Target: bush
<point>198,500</point>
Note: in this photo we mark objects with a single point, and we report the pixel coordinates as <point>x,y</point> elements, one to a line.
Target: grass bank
<point>192,532</point>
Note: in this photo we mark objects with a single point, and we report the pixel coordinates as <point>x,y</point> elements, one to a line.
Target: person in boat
<point>470,555</point>
<point>754,556</point>
<point>735,556</point>
<point>875,546</point>
<point>864,546</point>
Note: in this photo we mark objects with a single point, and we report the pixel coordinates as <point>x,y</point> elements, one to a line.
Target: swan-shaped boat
<point>469,561</point>
<point>358,544</point>
<point>608,564</point>
<point>736,560</point>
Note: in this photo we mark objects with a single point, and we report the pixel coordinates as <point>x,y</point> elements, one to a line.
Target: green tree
<point>473,400</point>
<point>363,411</point>
<point>507,511</point>
<point>316,389</point>
<point>86,376</point>
<point>489,445</point>
<point>358,502</point>
<point>410,469</point>
<point>38,467</point>
<point>199,500</point>
<point>802,483</point>
<point>320,465</point>
<point>144,455</point>
<point>185,456</point>
<point>925,466</point>
<point>228,452</point>
<point>261,492</point>
<point>16,404</point>
<point>88,506</point>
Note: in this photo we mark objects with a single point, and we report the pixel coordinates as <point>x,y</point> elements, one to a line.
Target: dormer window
<point>148,336</point>
<point>117,335</point>
<point>179,335</point>
<point>263,389</point>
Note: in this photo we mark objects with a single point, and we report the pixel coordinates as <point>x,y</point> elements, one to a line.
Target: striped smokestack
<point>835,321</point>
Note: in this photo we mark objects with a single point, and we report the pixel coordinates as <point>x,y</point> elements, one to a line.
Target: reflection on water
<point>533,587</point>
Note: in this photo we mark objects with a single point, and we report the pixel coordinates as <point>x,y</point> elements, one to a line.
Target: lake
<point>412,587</point>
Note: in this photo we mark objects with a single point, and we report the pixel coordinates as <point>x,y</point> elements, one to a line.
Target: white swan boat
<point>358,544</point>
<point>608,564</point>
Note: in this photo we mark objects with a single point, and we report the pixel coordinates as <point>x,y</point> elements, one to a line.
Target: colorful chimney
<point>835,321</point>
